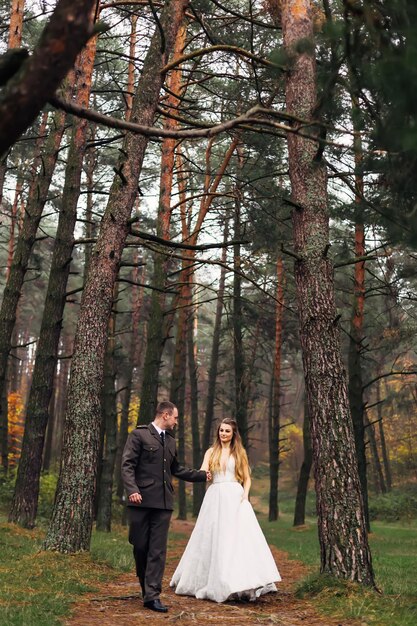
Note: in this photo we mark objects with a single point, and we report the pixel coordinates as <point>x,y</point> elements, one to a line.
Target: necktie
<point>162,435</point>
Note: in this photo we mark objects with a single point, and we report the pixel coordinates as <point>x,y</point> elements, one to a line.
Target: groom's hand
<point>208,475</point>
<point>135,498</point>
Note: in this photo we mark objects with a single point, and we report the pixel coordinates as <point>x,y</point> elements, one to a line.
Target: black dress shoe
<point>156,605</point>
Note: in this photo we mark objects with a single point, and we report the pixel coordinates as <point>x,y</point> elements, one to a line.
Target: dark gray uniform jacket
<point>148,468</point>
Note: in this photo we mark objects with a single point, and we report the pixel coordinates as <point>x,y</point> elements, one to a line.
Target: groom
<point>148,463</point>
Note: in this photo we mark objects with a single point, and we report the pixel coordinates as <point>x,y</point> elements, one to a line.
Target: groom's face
<point>171,419</point>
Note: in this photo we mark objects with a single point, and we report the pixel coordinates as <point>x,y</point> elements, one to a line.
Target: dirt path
<point>119,603</point>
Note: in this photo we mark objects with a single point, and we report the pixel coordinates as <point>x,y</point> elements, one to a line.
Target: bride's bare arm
<point>205,465</point>
<point>246,485</point>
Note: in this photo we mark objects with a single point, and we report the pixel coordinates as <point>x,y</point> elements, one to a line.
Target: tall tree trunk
<point>177,396</point>
<point>356,328</point>
<point>52,448</point>
<point>274,429</point>
<point>178,378</point>
<point>185,300</point>
<point>379,476</point>
<point>16,23</point>
<point>15,40</point>
<point>198,488</point>
<point>137,295</point>
<point>47,450</point>
<point>131,73</point>
<point>90,163</point>
<point>385,457</point>
<point>60,399</point>
<point>4,427</point>
<point>343,538</point>
<point>157,333</point>
<point>13,222</point>
<point>215,348</point>
<point>25,498</point>
<point>357,410</point>
<point>72,517</point>
<point>302,487</point>
<point>134,364</point>
<point>38,194</point>
<point>241,414</point>
<point>4,431</point>
<point>13,360</point>
<point>109,407</point>
<point>3,172</point>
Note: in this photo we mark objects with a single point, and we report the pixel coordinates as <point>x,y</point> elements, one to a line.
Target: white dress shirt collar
<point>159,430</point>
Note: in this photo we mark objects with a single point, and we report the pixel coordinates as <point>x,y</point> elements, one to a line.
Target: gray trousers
<point>148,533</point>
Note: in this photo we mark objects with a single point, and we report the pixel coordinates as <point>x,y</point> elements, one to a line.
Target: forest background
<point>197,214</point>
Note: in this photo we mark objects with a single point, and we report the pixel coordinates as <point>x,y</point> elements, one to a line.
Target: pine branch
<point>184,246</point>
<point>27,92</point>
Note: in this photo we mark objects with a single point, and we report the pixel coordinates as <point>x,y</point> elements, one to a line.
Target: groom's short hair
<point>165,406</point>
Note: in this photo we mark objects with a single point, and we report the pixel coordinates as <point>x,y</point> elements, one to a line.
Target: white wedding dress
<point>227,556</point>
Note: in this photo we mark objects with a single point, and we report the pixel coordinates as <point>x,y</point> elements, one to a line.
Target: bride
<point>227,556</point>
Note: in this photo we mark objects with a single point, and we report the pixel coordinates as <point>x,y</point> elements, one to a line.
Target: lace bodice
<point>229,475</point>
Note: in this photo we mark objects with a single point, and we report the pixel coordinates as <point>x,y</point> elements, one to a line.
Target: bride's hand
<point>245,497</point>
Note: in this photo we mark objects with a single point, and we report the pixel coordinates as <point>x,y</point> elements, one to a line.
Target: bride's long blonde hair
<point>236,449</point>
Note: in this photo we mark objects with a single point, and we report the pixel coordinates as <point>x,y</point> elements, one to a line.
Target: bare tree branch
<point>182,245</point>
<point>68,30</point>
<point>219,47</point>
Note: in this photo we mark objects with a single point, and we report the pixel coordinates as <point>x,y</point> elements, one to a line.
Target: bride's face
<point>225,433</point>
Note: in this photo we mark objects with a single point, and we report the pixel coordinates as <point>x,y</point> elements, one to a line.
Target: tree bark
<point>52,448</point>
<point>15,40</point>
<point>215,349</point>
<point>356,328</point>
<point>72,517</point>
<point>16,23</point>
<point>385,457</point>
<point>109,408</point>
<point>41,74</point>
<point>343,539</point>
<point>25,498</point>
<point>157,331</point>
<point>274,429</point>
<point>137,296</point>
<point>302,487</point>
<point>198,488</point>
<point>134,363</point>
<point>241,409</point>
<point>131,68</point>
<point>38,194</point>
<point>13,222</point>
<point>187,272</point>
<point>177,396</point>
<point>90,163</point>
<point>379,476</point>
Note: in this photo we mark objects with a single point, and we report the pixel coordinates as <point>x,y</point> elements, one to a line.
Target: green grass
<point>112,549</point>
<point>394,551</point>
<point>37,588</point>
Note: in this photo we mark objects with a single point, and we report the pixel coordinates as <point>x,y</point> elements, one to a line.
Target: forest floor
<point>119,602</point>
